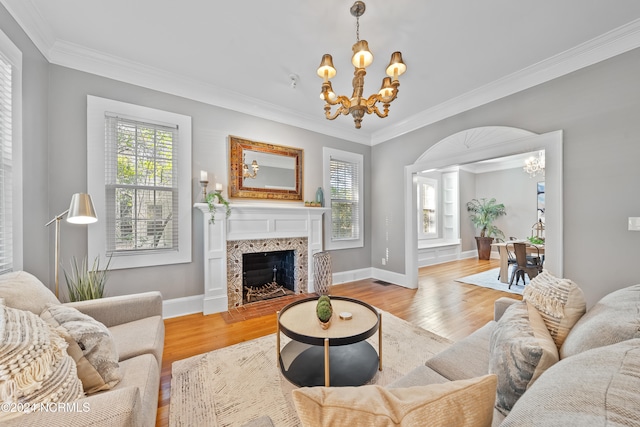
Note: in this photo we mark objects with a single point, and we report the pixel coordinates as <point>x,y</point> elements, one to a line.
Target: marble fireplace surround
<point>252,228</point>
<point>236,248</point>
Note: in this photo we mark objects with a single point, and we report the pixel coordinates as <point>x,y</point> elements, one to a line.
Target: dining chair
<point>511,257</point>
<point>524,265</point>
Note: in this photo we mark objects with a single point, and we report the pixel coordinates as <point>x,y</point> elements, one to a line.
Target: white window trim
<point>327,155</point>
<point>14,55</point>
<point>96,109</point>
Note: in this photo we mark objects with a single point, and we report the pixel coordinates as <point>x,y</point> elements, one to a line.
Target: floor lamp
<point>80,211</point>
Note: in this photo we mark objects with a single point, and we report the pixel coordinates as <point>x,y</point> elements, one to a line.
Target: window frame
<point>97,108</point>
<point>14,57</point>
<point>435,184</point>
<point>350,157</point>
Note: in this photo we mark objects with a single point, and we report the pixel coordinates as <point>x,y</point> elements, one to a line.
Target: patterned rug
<point>489,279</point>
<point>236,384</point>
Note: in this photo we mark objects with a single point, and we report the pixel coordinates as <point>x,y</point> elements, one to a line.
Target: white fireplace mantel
<point>252,221</point>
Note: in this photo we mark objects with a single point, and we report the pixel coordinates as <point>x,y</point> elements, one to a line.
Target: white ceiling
<point>240,54</point>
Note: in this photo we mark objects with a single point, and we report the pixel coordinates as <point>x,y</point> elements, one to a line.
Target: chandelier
<point>535,165</point>
<point>362,57</point>
<point>245,168</point>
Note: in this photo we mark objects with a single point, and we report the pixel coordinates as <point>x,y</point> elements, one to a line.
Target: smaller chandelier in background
<point>535,165</point>
<point>362,57</point>
<point>245,169</point>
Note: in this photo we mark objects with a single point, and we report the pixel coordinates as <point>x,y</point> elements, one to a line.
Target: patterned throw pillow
<point>521,349</point>
<point>463,403</point>
<point>560,302</point>
<point>34,366</point>
<point>97,359</point>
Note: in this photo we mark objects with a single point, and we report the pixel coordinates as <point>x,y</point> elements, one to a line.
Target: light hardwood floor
<point>440,304</point>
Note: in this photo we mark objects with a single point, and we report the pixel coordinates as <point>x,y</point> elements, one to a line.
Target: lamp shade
<point>386,91</point>
<point>326,70</point>
<point>362,56</point>
<point>81,210</point>
<point>396,67</point>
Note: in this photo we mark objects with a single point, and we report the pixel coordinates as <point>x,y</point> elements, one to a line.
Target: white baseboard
<point>182,306</point>
<point>391,277</point>
<point>351,276</point>
<point>469,254</point>
<point>194,304</point>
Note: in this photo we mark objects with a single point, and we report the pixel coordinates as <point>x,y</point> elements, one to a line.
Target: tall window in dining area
<point>427,207</point>
<point>343,178</point>
<point>141,185</point>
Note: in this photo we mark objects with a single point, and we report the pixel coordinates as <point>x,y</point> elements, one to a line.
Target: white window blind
<point>141,186</point>
<point>6,167</point>
<point>345,200</point>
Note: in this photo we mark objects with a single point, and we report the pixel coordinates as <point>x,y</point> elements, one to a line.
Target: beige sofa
<point>544,361</point>
<point>595,383</point>
<point>136,325</point>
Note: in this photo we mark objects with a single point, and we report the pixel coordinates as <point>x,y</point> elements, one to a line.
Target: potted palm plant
<point>482,213</point>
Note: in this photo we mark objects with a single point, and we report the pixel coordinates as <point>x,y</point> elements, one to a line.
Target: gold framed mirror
<point>259,170</point>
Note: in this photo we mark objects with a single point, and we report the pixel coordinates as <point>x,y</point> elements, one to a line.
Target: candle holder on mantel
<point>204,190</point>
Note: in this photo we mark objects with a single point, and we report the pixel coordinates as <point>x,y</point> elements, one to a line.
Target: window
<point>142,184</point>
<point>343,172</point>
<point>10,156</point>
<point>427,208</point>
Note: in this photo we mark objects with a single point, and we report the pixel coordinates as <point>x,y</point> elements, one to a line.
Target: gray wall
<point>35,85</point>
<point>598,109</point>
<point>210,127</point>
<point>517,191</point>
<point>468,232</point>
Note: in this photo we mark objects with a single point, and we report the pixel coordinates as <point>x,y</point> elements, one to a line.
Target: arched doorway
<point>484,143</point>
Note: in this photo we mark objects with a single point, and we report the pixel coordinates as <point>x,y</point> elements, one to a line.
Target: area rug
<point>237,384</point>
<point>489,279</point>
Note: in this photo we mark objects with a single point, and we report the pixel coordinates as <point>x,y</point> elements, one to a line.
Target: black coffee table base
<point>350,365</point>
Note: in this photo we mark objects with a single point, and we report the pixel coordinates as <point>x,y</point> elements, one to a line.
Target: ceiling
<point>240,54</point>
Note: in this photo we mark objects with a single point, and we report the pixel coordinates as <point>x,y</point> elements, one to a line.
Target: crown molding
<point>605,46</point>
<point>95,62</point>
<point>608,45</point>
<point>32,23</point>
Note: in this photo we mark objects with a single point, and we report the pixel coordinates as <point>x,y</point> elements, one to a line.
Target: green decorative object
<point>84,283</point>
<point>212,198</point>
<point>324,311</point>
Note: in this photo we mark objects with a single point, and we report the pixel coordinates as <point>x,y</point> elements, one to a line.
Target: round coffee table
<point>337,356</point>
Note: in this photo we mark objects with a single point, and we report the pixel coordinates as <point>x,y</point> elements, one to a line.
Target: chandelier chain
<point>357,28</point>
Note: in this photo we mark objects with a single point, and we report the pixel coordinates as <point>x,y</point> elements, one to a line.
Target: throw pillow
<point>560,302</point>
<point>464,403</point>
<point>615,318</point>
<point>598,387</point>
<point>521,349</point>
<point>98,359</point>
<point>24,291</point>
<point>34,366</point>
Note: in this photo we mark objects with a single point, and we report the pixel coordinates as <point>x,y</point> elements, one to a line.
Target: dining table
<point>504,257</point>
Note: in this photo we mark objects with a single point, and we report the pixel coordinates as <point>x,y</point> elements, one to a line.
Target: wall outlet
<point>384,261</point>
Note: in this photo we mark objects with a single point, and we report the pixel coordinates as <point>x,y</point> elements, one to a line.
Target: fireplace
<point>267,275</point>
<point>260,255</point>
<point>255,229</point>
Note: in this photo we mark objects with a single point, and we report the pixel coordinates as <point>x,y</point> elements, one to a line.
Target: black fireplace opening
<point>267,275</point>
